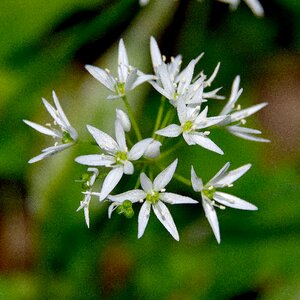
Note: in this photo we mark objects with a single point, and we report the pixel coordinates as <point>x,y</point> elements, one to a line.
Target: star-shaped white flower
<point>192,120</point>
<point>118,157</point>
<point>128,76</point>
<point>210,195</point>
<point>64,135</point>
<point>85,203</point>
<point>172,83</point>
<point>154,195</point>
<point>238,116</point>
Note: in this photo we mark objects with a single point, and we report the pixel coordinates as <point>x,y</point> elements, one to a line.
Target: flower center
<point>120,88</point>
<point>209,192</point>
<point>153,197</point>
<point>187,126</point>
<point>120,157</point>
<point>66,138</point>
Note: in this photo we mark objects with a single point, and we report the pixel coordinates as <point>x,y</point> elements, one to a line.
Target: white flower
<point>118,158</point>
<point>254,5</point>
<point>238,115</point>
<point>87,197</point>
<point>128,77</point>
<point>172,83</point>
<point>191,120</point>
<point>153,150</point>
<point>65,135</point>
<point>155,195</point>
<point>210,195</point>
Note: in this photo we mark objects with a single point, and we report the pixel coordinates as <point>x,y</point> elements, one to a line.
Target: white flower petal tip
<point>197,183</point>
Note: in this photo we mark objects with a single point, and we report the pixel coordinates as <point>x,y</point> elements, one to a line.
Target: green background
<point>46,251</point>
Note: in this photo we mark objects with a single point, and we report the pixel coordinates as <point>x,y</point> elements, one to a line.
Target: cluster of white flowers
<point>183,94</point>
<point>254,5</point>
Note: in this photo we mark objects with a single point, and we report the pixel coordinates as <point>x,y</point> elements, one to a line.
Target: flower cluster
<point>184,111</point>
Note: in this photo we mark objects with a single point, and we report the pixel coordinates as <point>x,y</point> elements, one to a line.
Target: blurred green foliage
<point>44,46</point>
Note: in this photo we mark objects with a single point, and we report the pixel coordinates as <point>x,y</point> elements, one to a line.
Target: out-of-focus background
<point>46,250</point>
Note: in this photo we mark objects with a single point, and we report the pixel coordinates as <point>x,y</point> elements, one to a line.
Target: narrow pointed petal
<point>212,218</point>
<point>60,110</point>
<point>206,143</point>
<point>139,149</point>
<point>120,136</point>
<point>155,53</point>
<point>111,208</point>
<point>143,218</point>
<point>164,76</point>
<point>164,177</point>
<point>95,160</point>
<point>196,181</point>
<point>172,130</point>
<point>87,216</point>
<point>244,113</point>
<point>221,173</point>
<point>130,80</point>
<point>141,78</point>
<point>122,62</point>
<point>128,167</point>
<point>160,90</point>
<point>146,183</point>
<point>102,76</point>
<point>248,136</point>
<point>40,157</point>
<point>210,122</point>
<point>51,110</point>
<point>232,176</point>
<point>181,110</point>
<point>124,119</point>
<point>57,148</point>
<point>42,129</point>
<point>209,81</point>
<point>172,198</point>
<point>104,141</point>
<point>256,7</point>
<point>133,196</point>
<point>110,182</point>
<point>240,129</point>
<point>185,78</point>
<point>164,216</point>
<point>233,201</point>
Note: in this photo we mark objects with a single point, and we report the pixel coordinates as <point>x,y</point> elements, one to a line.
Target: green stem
<point>182,179</point>
<point>159,115</point>
<point>171,150</point>
<point>132,119</point>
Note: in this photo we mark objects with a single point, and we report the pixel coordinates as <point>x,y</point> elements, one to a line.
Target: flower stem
<point>159,115</point>
<point>171,150</point>
<point>132,119</point>
<point>182,179</point>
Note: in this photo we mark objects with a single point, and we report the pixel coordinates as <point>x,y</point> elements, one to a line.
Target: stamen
<point>164,58</point>
<point>107,70</point>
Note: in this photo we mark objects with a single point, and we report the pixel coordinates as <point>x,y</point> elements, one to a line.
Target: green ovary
<point>153,198</point>
<point>66,138</point>
<point>187,126</point>
<point>120,88</point>
<point>121,157</point>
<point>209,193</point>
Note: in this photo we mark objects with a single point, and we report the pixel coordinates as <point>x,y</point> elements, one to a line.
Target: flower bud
<point>124,119</point>
<point>153,150</point>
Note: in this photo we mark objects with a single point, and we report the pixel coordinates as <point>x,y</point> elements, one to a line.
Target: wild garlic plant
<point>183,113</point>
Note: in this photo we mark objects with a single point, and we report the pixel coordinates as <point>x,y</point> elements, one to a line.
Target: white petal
<point>232,176</point>
<point>111,208</point>
<point>247,136</point>
<point>110,181</point>
<point>221,173</point>
<point>122,62</point>
<point>40,157</point>
<point>104,141</point>
<point>233,201</point>
<point>133,196</point>
<point>54,114</point>
<point>213,76</point>
<point>212,218</point>
<point>131,80</point>
<point>185,78</point>
<point>172,198</point>
<point>57,148</point>
<point>143,218</point>
<point>138,149</point>
<point>120,136</point>
<point>166,81</point>
<point>205,142</point>
<point>128,167</point>
<point>188,138</point>
<point>153,149</point>
<point>209,122</point>
<point>42,129</point>
<point>87,216</point>
<point>196,181</point>
<point>155,53</point>
<point>141,78</point>
<point>181,110</point>
<point>244,113</point>
<point>172,130</point>
<point>60,110</point>
<point>95,160</point>
<point>146,183</point>
<point>124,119</point>
<point>164,216</point>
<point>102,76</point>
<point>239,129</point>
<point>164,177</point>
<point>256,7</point>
